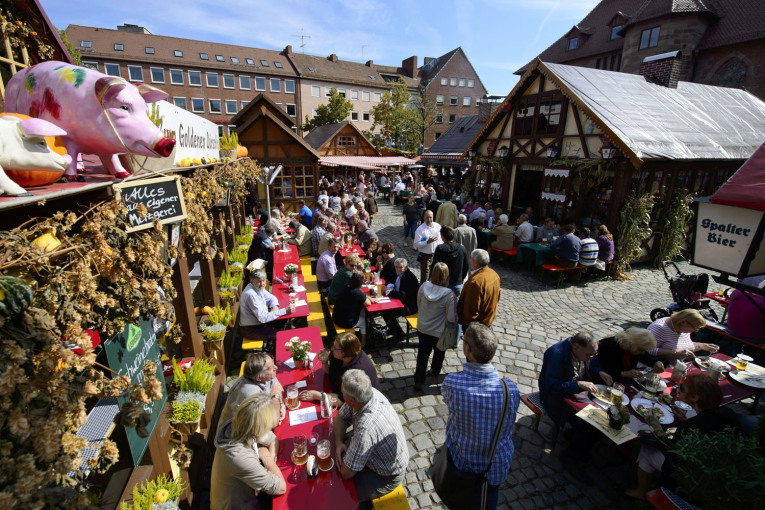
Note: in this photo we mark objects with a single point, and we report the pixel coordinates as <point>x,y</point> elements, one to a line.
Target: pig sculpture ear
<point>107,86</point>
<point>151,94</point>
<point>40,127</point>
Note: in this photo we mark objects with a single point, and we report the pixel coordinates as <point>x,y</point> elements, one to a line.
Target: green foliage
<point>154,115</point>
<point>497,166</point>
<point>247,230</point>
<point>214,332</point>
<point>399,117</point>
<point>143,496</point>
<point>237,256</point>
<point>198,377</point>
<point>673,236</point>
<point>719,470</point>
<point>220,316</point>
<point>230,280</point>
<point>634,227</point>
<point>226,293</point>
<point>336,110</point>
<point>244,239</point>
<point>184,412</point>
<point>228,143</point>
<point>76,55</point>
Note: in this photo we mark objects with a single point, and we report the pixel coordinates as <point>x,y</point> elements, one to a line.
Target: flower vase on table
<point>290,271</point>
<point>299,350</point>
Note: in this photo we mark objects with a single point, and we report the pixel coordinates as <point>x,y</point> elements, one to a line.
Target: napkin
<point>284,251</point>
<point>383,300</point>
<point>304,415</point>
<point>301,384</point>
<point>301,302</point>
<point>299,288</point>
<point>599,419</point>
<point>290,363</point>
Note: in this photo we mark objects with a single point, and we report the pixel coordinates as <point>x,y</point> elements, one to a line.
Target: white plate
<point>647,404</point>
<point>662,384</point>
<point>713,362</point>
<point>599,398</point>
<point>745,379</point>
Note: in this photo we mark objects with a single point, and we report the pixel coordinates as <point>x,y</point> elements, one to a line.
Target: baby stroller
<point>687,291</point>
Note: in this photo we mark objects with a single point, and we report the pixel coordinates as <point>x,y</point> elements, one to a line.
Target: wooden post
<point>191,344</point>
<point>220,238</point>
<point>229,223</point>
<point>209,286</point>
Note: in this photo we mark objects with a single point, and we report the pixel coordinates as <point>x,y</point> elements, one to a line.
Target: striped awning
<point>365,162</point>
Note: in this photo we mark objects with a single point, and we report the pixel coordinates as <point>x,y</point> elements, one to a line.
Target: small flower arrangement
<point>367,264</point>
<point>160,493</point>
<point>348,236</point>
<point>290,269</point>
<point>299,349</point>
<point>214,332</point>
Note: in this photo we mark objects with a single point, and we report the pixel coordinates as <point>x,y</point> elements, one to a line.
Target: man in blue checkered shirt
<point>475,398</point>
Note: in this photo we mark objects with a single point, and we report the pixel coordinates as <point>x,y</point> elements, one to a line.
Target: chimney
<point>369,63</point>
<point>332,58</point>
<point>127,27</point>
<point>410,65</point>
<point>427,59</point>
<point>663,69</point>
<point>486,110</point>
<point>288,50</point>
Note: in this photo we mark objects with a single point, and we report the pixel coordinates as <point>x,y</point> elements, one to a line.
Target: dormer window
<point>573,43</point>
<point>615,32</point>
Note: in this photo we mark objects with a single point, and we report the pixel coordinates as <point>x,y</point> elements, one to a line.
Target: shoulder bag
<point>461,489</point>
<point>448,339</point>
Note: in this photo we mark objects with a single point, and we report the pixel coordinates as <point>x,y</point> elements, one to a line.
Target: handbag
<point>461,489</point>
<point>448,339</point>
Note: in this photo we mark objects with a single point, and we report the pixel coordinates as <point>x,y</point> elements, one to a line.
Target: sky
<point>498,36</point>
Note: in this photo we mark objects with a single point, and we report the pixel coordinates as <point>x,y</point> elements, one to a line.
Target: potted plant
<point>162,493</point>
<point>215,330</point>
<point>228,146</point>
<point>237,259</point>
<point>185,416</point>
<point>299,349</point>
<point>229,284</point>
<point>291,271</point>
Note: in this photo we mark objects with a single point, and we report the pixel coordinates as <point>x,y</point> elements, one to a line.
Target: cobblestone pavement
<point>531,317</point>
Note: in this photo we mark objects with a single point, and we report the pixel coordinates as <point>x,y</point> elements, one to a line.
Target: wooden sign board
<point>163,197</point>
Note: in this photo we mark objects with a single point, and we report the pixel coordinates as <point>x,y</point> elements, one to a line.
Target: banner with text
<point>195,136</point>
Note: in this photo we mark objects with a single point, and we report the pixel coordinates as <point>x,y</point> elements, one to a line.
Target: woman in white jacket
<point>436,305</point>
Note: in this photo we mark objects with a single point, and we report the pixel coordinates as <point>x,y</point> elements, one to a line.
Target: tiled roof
<point>322,68</point>
<point>322,134</point>
<point>429,71</point>
<point>655,8</point>
<point>740,21</point>
<point>457,139</point>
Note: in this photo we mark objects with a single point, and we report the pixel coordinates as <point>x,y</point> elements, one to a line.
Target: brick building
<point>714,42</point>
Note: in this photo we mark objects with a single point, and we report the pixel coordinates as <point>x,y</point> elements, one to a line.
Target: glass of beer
<point>617,390</point>
<point>324,455</point>
<point>292,397</point>
<point>300,450</point>
<point>742,361</point>
<point>293,298</point>
<point>544,241</point>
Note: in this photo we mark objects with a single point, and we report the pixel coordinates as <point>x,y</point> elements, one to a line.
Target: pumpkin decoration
<point>15,295</point>
<point>48,241</point>
<point>25,178</point>
<point>241,151</point>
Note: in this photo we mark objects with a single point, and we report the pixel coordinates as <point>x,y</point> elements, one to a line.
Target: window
<point>195,78</point>
<point>278,65</point>
<point>615,32</point>
<point>452,82</point>
<point>444,81</point>
<point>649,38</point>
<point>215,106</point>
<point>220,58</point>
<point>471,83</point>
<point>452,118</point>
<point>204,56</point>
<point>244,82</point>
<point>249,61</point>
<point>597,64</point>
<point>462,82</point>
<point>438,135</point>
<point>294,129</point>
<point>178,53</point>
<point>292,110</point>
<point>220,131</point>
<point>365,116</point>
<point>378,97</point>
<point>341,93</point>
<point>439,99</point>
<point>90,65</point>
<point>197,105</point>
<point>289,86</point>
<point>212,79</point>
<point>157,75</point>
<point>453,101</point>
<point>315,91</point>
<point>548,119</point>
<point>327,91</point>
<point>231,106</point>
<point>439,118</point>
<point>234,60</point>
<point>573,43</point>
<point>231,129</point>
<point>478,101</point>
<point>524,116</point>
<point>355,116</point>
<point>112,69</point>
<point>245,103</point>
<point>260,84</point>
<point>346,141</point>
<point>279,105</point>
<point>229,82</point>
<point>355,94</point>
<point>276,85</point>
<point>264,63</point>
<point>466,101</point>
<point>365,95</point>
<point>135,73</point>
<point>119,47</point>
<point>86,44</point>
<point>180,102</point>
<point>304,181</point>
<point>150,50</point>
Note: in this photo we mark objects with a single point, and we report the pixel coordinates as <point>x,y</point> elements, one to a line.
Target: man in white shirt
<point>426,238</point>
<point>259,309</point>
<point>474,215</point>
<point>350,210</point>
<point>525,231</point>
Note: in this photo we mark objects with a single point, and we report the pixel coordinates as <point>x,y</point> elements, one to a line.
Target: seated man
<point>318,232</point>
<point>350,210</point>
<point>350,306</point>
<point>262,248</point>
<point>565,251</point>
<point>404,287</point>
<point>259,377</point>
<point>366,234</point>
<point>329,234</point>
<point>548,230</point>
<point>376,457</point>
<point>259,309</point>
<point>588,248</point>
<point>301,238</point>
<point>342,276</point>
<point>304,214</point>
<point>525,232</point>
<point>504,233</point>
<point>326,267</point>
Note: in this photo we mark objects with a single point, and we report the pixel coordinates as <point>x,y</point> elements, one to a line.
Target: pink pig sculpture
<point>101,114</point>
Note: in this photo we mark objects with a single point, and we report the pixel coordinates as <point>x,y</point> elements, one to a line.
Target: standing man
<point>455,257</point>
<point>376,457</point>
<point>465,235</point>
<point>326,266</point>
<point>475,399</point>
<point>480,294</point>
<point>426,239</point>
<point>370,204</point>
<point>301,238</point>
<point>447,214</point>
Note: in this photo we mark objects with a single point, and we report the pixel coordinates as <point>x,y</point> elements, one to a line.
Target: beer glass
<point>742,361</point>
<point>324,455</point>
<point>300,450</point>
<point>616,393</point>
<point>292,397</point>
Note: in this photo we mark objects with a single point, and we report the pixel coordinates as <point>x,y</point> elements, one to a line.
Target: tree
<point>427,111</point>
<point>398,117</point>
<point>76,55</point>
<point>336,110</point>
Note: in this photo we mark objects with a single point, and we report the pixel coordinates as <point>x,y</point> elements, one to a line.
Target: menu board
<point>163,198</point>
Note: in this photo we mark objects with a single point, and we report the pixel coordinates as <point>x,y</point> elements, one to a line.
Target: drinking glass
<point>293,298</point>
<point>292,397</point>
<point>300,450</point>
<point>742,361</point>
<point>324,455</point>
<point>617,390</point>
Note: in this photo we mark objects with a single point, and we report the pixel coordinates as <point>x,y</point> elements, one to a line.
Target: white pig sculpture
<point>23,147</point>
<point>102,115</point>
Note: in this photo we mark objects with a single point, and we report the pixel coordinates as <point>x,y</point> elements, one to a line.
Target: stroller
<point>687,291</point>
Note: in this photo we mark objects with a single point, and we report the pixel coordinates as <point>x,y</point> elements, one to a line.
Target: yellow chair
<point>252,344</point>
<point>394,500</point>
<point>411,323</point>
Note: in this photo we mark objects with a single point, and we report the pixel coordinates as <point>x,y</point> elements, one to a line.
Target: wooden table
<point>281,292</point>
<point>344,251</point>
<point>328,490</point>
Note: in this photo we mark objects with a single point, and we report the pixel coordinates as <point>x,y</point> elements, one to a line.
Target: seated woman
<point>618,355</point>
<point>673,336</point>
<point>373,252</point>
<point>504,233</point>
<point>386,263</point>
<point>244,473</point>
<point>344,355</point>
<point>704,395</point>
<point>349,310</point>
<point>605,247</point>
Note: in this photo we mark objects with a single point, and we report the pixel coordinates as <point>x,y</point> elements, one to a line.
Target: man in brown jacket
<point>480,294</point>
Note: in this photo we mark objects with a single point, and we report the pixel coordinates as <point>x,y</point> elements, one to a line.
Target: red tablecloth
<point>282,258</point>
<point>393,304</point>
<point>328,490</point>
<point>344,251</point>
<point>281,292</point>
<point>716,297</point>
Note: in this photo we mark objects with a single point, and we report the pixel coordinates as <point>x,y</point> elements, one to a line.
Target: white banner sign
<point>195,137</point>
<point>554,197</point>
<point>556,172</point>
<point>724,235</point>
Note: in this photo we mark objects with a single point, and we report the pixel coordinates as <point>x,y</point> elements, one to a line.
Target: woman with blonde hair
<point>618,355</point>
<point>435,302</point>
<point>673,336</point>
<point>244,472</point>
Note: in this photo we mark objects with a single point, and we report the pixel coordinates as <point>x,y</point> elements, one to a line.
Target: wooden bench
<point>502,253</point>
<point>557,269</point>
<point>394,500</point>
<point>722,329</point>
<point>252,344</point>
<point>534,402</point>
<point>411,323</point>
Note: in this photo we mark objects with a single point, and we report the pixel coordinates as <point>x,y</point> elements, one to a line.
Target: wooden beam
<point>209,287</point>
<point>191,343</point>
<point>578,120</point>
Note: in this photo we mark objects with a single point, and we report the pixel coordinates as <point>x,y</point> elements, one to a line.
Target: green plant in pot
<point>228,146</point>
<point>185,416</point>
<point>162,493</point>
<point>199,377</point>
<point>299,350</point>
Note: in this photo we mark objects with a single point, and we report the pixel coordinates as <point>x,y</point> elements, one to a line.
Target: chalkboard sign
<point>162,197</point>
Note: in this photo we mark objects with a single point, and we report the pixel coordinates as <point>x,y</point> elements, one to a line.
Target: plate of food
<point>642,406</point>
<point>747,378</point>
<point>604,395</point>
<point>642,382</point>
<point>708,363</point>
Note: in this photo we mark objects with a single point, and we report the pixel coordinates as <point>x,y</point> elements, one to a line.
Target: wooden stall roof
<point>327,141</point>
<point>254,106</point>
